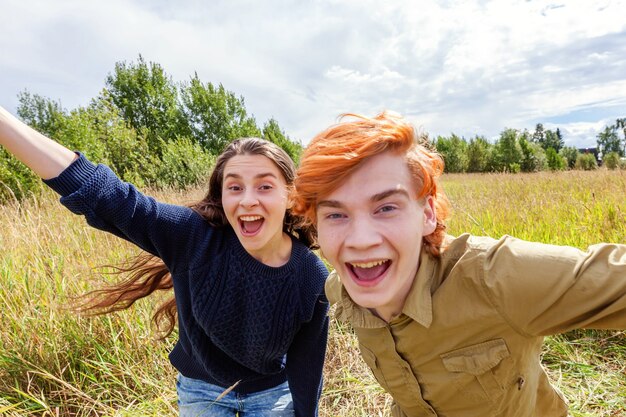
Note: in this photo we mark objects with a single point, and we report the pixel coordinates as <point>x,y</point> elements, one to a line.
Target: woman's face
<point>255,198</point>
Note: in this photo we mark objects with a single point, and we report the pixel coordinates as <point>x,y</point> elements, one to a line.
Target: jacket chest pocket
<point>477,371</point>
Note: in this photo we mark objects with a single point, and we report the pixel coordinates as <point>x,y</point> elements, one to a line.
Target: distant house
<point>593,151</point>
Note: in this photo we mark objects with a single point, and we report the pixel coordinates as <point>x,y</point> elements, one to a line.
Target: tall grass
<point>576,208</point>
<point>56,363</point>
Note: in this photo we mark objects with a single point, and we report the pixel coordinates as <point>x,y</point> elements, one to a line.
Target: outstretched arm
<point>44,156</point>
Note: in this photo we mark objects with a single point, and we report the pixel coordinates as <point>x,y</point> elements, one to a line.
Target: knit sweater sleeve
<point>305,358</point>
<point>117,207</point>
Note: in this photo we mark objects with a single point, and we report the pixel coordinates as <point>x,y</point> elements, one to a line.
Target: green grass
<point>55,363</point>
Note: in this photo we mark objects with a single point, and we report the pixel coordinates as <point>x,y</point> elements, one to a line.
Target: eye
<point>234,188</point>
<point>334,216</point>
<point>387,208</point>
<point>265,187</point>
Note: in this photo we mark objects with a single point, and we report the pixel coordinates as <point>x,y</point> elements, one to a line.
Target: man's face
<point>370,229</point>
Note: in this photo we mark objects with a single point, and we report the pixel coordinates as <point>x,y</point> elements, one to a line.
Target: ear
<point>290,196</point>
<point>430,216</point>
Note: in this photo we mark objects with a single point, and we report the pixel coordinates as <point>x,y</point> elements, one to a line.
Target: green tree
<point>559,138</point>
<point>454,152</point>
<point>538,135</point>
<point>100,131</point>
<point>216,116</point>
<point>621,124</point>
<point>508,151</point>
<point>533,157</point>
<point>149,130</point>
<point>570,154</point>
<point>608,141</point>
<point>184,163</point>
<point>40,113</point>
<point>273,133</point>
<point>147,99</point>
<point>555,161</point>
<point>478,151</point>
<point>553,140</point>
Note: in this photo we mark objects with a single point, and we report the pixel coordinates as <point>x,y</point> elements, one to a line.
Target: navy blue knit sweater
<point>239,319</point>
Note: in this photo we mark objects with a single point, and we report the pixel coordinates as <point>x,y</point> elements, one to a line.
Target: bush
<point>16,180</point>
<point>454,153</point>
<point>533,156</point>
<point>570,153</point>
<point>611,160</point>
<point>184,163</point>
<point>556,162</point>
<point>478,151</point>
<point>586,162</point>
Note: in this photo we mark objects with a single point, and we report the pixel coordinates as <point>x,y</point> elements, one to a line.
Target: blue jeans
<point>198,399</point>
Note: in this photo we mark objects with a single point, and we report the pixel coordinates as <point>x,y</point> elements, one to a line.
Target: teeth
<point>368,264</point>
<point>250,218</point>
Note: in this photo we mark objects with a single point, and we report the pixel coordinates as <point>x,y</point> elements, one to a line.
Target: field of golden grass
<point>55,363</point>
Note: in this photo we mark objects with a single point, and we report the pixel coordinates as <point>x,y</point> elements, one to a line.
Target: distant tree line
<point>155,132</point>
<point>150,130</point>
<point>522,151</point>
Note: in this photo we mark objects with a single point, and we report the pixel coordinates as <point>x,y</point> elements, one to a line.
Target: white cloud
<point>579,134</point>
<point>468,67</point>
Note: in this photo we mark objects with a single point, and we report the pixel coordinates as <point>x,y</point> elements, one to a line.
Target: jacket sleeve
<point>396,411</point>
<point>114,206</point>
<point>305,361</point>
<point>545,289</point>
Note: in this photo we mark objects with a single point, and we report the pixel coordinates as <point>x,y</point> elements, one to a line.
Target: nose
<point>362,233</point>
<point>248,200</point>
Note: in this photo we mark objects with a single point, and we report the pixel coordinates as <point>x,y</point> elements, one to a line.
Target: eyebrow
<point>261,175</point>
<point>389,193</point>
<point>376,197</point>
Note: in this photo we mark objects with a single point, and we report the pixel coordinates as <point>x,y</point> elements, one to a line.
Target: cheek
<point>276,213</point>
<point>227,204</point>
<point>410,246</point>
<point>327,241</point>
<point>279,201</point>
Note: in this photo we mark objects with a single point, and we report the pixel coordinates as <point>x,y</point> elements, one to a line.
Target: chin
<point>365,300</point>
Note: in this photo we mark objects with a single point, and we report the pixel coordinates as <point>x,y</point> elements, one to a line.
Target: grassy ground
<point>55,363</point>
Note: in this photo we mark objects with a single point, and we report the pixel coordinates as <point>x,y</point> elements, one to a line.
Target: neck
<point>277,255</point>
<point>385,314</point>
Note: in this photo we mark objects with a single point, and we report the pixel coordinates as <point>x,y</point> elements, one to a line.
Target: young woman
<point>249,293</point>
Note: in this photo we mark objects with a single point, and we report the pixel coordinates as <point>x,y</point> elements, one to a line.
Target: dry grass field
<point>55,363</point>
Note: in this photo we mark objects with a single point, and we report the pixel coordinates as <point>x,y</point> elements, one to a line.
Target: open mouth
<point>250,225</point>
<point>368,273</point>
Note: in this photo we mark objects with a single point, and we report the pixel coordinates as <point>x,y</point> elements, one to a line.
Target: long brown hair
<point>337,152</point>
<point>148,273</point>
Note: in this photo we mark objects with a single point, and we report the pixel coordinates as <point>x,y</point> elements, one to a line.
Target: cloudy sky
<point>467,67</point>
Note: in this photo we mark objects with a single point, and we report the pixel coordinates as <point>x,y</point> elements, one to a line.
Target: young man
<point>449,326</point>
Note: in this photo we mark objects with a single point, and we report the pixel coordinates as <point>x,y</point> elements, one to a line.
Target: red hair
<point>337,152</point>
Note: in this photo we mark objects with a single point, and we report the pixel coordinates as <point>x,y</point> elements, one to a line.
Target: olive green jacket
<point>469,339</point>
